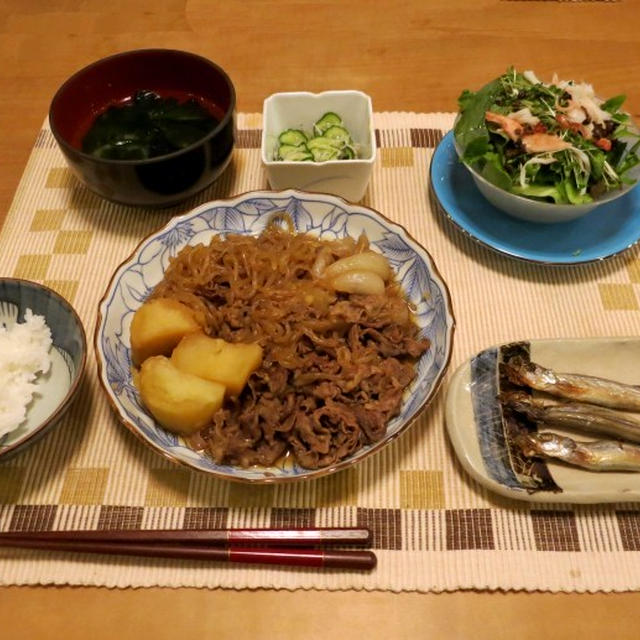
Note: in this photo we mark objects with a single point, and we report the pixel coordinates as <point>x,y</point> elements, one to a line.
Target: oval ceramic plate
<point>325,216</point>
<point>56,388</point>
<point>605,232</point>
<point>474,422</point>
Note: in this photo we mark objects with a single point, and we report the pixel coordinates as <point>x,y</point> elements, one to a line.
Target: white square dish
<point>346,178</point>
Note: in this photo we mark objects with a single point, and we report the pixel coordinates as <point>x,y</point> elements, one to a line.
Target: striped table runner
<point>435,529</point>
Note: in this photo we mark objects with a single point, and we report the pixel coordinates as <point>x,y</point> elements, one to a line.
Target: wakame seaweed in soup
<point>147,126</point>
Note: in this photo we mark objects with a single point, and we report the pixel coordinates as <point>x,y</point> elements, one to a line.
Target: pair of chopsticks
<point>292,547</point>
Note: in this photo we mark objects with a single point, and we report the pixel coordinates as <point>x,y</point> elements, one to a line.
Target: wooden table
<point>409,56</point>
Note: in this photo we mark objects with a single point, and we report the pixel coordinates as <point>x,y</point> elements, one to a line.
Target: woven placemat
<point>434,528</point>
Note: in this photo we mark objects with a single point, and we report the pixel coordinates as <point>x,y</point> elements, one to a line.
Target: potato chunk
<point>179,401</point>
<point>229,363</point>
<point>157,327</point>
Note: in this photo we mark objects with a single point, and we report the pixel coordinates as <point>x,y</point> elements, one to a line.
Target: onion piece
<point>344,246</point>
<point>365,282</point>
<point>365,261</point>
<point>322,261</point>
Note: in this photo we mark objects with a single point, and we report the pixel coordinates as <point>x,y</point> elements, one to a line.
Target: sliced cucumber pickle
<point>291,153</point>
<point>320,142</point>
<point>293,137</point>
<point>329,119</point>
<point>330,140</point>
<point>348,153</point>
<point>337,132</point>
<point>325,154</point>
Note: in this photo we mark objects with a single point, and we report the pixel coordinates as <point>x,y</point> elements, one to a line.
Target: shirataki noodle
<point>335,365</point>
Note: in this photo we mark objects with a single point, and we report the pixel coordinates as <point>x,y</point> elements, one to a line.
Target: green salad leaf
<point>471,130</point>
<point>555,142</point>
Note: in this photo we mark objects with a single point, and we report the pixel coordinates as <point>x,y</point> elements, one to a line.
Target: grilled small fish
<point>600,391</point>
<point>600,455</point>
<point>575,415</point>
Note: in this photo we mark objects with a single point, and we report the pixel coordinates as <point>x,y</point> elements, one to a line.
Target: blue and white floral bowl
<point>326,216</point>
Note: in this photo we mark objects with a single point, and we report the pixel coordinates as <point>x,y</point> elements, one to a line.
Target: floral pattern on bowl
<point>325,216</point>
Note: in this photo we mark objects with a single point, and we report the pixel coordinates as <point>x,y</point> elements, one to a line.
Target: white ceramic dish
<point>347,179</point>
<point>322,215</point>
<point>536,211</point>
<point>55,389</point>
<point>477,434</point>
<point>532,210</point>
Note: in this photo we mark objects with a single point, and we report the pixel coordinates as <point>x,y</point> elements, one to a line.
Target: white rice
<point>24,355</point>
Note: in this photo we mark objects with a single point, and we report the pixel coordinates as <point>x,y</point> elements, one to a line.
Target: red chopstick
<point>201,545</point>
<point>300,557</point>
